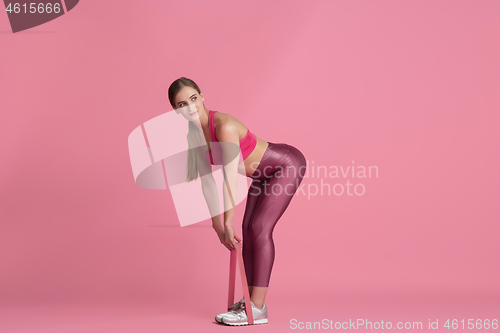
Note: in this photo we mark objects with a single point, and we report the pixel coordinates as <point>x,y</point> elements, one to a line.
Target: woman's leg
<point>252,200</point>
<point>268,201</point>
<point>255,199</point>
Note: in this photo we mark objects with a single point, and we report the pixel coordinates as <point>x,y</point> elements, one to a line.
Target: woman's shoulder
<point>227,121</point>
<point>221,116</point>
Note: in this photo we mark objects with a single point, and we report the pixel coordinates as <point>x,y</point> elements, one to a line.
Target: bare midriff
<point>253,160</point>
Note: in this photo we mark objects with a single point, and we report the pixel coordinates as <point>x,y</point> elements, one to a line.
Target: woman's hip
<point>279,156</point>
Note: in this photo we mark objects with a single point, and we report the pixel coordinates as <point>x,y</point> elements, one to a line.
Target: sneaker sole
<point>255,322</point>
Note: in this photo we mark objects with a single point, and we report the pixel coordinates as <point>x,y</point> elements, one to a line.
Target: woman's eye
<point>194,98</point>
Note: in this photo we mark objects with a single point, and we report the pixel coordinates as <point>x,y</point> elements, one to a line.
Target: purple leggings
<point>275,181</point>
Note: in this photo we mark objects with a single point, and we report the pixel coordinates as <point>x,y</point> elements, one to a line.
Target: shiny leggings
<point>274,183</point>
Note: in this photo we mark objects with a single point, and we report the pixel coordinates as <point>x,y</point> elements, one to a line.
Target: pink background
<point>411,87</point>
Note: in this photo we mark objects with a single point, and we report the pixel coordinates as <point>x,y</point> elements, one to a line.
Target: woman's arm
<point>230,144</point>
<point>208,187</point>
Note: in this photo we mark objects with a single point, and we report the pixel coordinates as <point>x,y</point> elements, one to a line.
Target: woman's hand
<point>230,237</point>
<point>226,235</point>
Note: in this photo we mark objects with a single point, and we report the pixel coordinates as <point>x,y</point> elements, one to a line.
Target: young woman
<point>276,169</point>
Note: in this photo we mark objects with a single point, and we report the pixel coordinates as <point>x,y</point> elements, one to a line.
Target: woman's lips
<point>193,113</point>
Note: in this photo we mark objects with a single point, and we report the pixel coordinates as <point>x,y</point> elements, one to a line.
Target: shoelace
<point>236,306</point>
<point>241,309</point>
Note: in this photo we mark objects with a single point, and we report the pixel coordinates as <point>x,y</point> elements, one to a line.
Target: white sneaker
<point>239,317</point>
<point>233,308</point>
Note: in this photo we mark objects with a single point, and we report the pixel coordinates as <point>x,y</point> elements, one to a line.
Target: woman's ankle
<point>258,305</point>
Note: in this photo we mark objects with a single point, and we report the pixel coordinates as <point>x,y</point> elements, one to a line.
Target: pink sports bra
<point>247,144</point>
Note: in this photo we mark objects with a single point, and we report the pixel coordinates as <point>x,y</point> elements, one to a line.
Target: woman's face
<point>189,103</point>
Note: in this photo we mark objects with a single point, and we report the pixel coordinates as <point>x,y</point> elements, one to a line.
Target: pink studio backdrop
<point>409,87</point>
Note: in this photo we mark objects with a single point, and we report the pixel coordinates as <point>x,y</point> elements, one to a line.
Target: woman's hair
<point>193,136</point>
